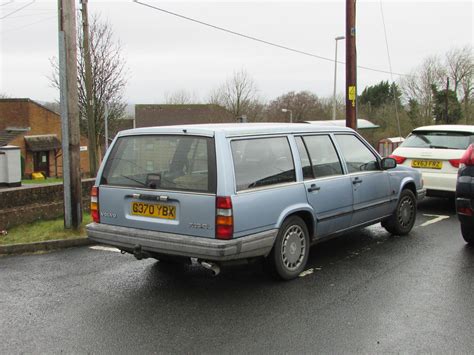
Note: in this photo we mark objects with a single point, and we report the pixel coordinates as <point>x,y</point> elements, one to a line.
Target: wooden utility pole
<point>351,65</point>
<point>91,130</point>
<point>69,114</point>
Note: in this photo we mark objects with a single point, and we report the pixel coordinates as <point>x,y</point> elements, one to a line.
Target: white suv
<point>436,152</point>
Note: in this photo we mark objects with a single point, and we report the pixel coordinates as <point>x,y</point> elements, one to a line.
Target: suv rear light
<point>95,204</point>
<point>399,159</point>
<point>454,163</point>
<point>224,218</point>
<point>467,158</point>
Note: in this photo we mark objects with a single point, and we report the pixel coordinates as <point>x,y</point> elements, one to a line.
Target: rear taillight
<point>465,211</point>
<point>95,204</point>
<point>467,158</point>
<point>224,218</point>
<point>454,163</point>
<point>399,159</point>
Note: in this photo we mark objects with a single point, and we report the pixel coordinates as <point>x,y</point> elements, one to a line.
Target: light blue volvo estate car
<point>226,192</point>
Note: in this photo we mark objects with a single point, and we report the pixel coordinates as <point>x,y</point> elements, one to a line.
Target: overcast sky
<point>165,53</point>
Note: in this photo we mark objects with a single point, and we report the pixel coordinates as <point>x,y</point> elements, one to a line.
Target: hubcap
<point>293,247</point>
<point>406,211</point>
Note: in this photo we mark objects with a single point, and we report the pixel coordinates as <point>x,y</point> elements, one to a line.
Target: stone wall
<point>27,204</point>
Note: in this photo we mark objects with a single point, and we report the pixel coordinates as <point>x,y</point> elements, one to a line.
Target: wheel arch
<point>408,184</point>
<point>305,212</point>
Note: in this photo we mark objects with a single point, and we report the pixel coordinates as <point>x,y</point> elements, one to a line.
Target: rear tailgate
<point>164,183</point>
<point>444,161</point>
<point>163,211</point>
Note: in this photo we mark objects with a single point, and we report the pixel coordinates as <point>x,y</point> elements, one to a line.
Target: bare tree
<point>460,68</point>
<point>459,65</point>
<point>109,75</point>
<point>418,86</point>
<point>181,97</point>
<point>239,95</point>
<point>305,106</point>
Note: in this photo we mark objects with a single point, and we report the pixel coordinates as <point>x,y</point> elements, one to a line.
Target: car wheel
<point>467,233</point>
<point>290,252</point>
<point>403,219</point>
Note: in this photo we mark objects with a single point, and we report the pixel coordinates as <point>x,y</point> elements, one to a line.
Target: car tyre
<point>403,219</point>
<point>467,233</point>
<point>291,249</point>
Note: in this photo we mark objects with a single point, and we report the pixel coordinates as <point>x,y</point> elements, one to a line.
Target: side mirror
<point>388,163</point>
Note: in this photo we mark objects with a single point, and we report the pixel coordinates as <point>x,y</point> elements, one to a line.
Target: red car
<point>465,194</point>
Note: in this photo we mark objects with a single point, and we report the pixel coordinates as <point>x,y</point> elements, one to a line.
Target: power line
<point>390,67</point>
<point>257,39</point>
<point>19,9</point>
<point>29,24</point>
<point>6,3</point>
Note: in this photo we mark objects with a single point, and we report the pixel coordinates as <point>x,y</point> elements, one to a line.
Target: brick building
<point>167,115</point>
<point>41,144</point>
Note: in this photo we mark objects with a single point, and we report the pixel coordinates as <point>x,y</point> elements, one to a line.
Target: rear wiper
<point>132,179</point>
<point>438,146</point>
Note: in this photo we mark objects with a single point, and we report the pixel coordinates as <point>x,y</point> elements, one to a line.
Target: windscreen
<point>438,140</point>
<point>165,162</point>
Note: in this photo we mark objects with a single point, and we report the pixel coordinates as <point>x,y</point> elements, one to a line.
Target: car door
<point>328,190</point>
<point>370,184</point>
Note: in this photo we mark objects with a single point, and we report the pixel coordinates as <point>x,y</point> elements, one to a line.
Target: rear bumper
<point>420,194</point>
<point>439,181</point>
<point>259,244</point>
<point>468,205</point>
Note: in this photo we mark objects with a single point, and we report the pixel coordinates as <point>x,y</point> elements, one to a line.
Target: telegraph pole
<point>69,114</point>
<point>351,65</point>
<point>91,130</point>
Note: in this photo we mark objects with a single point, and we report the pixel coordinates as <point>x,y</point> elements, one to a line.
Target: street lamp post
<point>335,77</point>
<point>291,113</point>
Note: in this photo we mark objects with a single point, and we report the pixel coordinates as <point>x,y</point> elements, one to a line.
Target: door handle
<point>357,181</point>
<point>313,187</point>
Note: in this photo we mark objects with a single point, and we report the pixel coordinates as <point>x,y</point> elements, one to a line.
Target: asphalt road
<point>367,292</point>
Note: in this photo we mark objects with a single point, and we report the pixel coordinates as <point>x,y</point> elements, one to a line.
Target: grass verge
<point>41,231</point>
<point>45,181</point>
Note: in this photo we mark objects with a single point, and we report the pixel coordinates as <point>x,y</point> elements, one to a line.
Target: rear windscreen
<point>438,140</point>
<point>166,162</point>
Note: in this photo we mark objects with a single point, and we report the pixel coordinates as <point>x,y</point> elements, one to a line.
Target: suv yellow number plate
<point>427,164</point>
<point>156,210</point>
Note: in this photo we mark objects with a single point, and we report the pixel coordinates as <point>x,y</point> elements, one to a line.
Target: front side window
<point>438,140</point>
<point>357,156</point>
<point>323,156</point>
<point>162,162</point>
<point>262,162</point>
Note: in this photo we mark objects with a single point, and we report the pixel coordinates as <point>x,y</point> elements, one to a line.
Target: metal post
<point>335,79</point>
<point>106,126</point>
<point>91,129</point>
<point>351,69</point>
<point>446,101</point>
<point>291,113</point>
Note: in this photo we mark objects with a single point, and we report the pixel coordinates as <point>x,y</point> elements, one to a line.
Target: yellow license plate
<point>427,164</point>
<point>156,210</point>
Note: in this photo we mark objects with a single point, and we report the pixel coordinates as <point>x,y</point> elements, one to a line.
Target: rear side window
<point>323,156</point>
<point>357,156</point>
<point>162,162</point>
<point>438,140</point>
<point>305,162</point>
<point>262,162</point>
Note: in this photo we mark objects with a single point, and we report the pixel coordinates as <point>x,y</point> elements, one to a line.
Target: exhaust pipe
<point>211,266</point>
<point>139,254</point>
